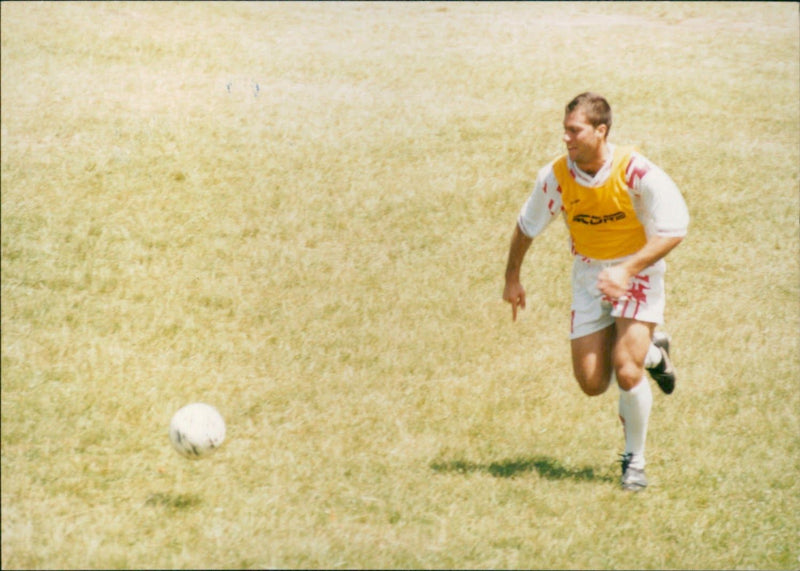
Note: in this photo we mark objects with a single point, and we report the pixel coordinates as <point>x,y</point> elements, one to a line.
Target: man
<point>624,215</point>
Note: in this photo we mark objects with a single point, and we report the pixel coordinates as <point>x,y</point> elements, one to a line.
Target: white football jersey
<point>656,199</point>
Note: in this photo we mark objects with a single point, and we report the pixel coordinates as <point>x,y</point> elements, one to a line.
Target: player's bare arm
<point>615,281</point>
<point>514,293</point>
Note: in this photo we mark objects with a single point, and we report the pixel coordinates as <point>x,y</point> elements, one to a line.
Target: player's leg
<point>592,360</point>
<point>646,303</point>
<point>631,344</point>
<point>635,397</point>
<point>591,330</point>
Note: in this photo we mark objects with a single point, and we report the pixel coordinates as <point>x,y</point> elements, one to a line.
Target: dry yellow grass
<point>300,213</point>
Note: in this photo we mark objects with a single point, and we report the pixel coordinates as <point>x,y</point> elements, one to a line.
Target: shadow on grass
<point>548,468</point>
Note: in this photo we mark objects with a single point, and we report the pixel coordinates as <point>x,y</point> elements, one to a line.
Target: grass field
<point>300,213</point>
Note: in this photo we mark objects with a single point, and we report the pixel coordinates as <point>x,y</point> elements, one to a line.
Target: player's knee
<point>593,390</point>
<point>593,384</point>
<point>628,375</point>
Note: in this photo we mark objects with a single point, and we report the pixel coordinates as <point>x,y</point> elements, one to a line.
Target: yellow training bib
<point>601,221</point>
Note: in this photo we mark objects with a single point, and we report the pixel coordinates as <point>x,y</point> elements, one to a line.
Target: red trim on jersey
<point>632,172</point>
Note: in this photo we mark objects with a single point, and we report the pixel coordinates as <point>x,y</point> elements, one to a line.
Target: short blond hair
<point>595,106</point>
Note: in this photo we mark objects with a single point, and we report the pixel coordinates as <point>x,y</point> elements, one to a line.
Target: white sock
<point>634,410</point>
<point>653,357</point>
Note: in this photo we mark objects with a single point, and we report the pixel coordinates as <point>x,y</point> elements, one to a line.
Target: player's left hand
<point>614,282</point>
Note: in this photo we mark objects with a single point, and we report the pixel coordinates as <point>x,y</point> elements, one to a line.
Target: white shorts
<point>592,311</point>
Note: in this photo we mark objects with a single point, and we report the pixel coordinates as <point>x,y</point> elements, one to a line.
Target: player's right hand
<point>514,294</point>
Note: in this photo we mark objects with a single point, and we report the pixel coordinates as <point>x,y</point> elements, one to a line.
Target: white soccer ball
<point>197,430</point>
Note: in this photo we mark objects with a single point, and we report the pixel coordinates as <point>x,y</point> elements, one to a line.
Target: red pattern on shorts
<point>636,294</point>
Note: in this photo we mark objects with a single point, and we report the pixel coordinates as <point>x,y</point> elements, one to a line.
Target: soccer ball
<point>197,430</point>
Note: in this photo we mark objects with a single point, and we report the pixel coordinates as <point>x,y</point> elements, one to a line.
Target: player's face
<point>584,141</point>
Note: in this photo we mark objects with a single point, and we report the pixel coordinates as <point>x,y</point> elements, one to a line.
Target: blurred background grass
<point>300,213</point>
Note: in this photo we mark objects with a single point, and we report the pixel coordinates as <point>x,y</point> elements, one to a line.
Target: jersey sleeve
<point>659,203</point>
<point>543,204</point>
